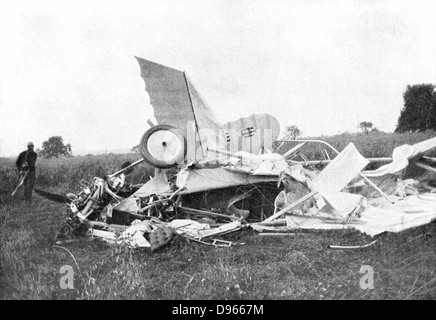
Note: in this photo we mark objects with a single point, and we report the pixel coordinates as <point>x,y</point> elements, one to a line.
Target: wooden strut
<point>352,247</point>
<point>377,188</point>
<point>126,168</point>
<point>424,166</point>
<point>215,242</point>
<point>208,213</point>
<point>291,206</point>
<point>293,150</point>
<point>429,158</point>
<point>193,111</point>
<point>311,162</point>
<point>139,216</point>
<point>152,204</point>
<point>116,227</point>
<point>150,123</point>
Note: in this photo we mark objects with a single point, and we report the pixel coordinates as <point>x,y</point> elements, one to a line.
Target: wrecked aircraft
<point>212,179</point>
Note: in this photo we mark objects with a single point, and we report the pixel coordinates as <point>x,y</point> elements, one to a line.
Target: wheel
<point>163,146</point>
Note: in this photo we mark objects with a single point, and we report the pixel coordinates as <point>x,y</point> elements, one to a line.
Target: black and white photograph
<point>235,152</point>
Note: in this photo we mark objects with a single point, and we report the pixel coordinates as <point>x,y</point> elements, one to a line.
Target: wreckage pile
<point>267,192</point>
<point>202,189</point>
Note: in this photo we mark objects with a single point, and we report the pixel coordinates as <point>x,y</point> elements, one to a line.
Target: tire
<point>163,146</point>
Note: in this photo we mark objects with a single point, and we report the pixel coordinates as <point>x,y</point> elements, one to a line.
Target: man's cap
<point>30,143</point>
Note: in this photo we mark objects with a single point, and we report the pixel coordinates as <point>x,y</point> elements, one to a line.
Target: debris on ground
<point>213,179</point>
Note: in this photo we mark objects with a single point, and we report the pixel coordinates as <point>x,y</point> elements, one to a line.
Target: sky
<point>67,68</point>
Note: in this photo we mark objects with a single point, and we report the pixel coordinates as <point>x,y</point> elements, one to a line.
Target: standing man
<point>26,162</point>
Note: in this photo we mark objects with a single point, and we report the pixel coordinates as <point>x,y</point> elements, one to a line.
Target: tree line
<point>54,147</point>
<point>419,111</point>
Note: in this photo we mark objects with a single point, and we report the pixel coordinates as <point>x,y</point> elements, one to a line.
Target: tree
<point>292,132</point>
<point>419,111</point>
<point>135,149</point>
<point>54,147</point>
<point>366,126</point>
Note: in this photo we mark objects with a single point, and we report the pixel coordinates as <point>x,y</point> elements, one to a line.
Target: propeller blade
<point>52,196</point>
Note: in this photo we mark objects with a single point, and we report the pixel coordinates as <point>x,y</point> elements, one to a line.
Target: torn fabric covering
<point>188,227</point>
<point>135,240</point>
<point>207,124</point>
<point>297,172</point>
<point>338,173</point>
<point>343,204</point>
<point>200,231</point>
<point>401,157</point>
<point>130,204</point>
<point>400,160</point>
<point>208,179</point>
<point>157,185</point>
<point>335,177</point>
<point>260,165</point>
<point>134,235</point>
<point>407,187</point>
<point>412,211</point>
<point>176,102</point>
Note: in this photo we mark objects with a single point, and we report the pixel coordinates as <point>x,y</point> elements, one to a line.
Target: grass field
<point>259,267</point>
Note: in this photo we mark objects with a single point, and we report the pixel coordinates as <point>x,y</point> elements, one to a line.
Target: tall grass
<point>65,173</point>
<point>56,171</point>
